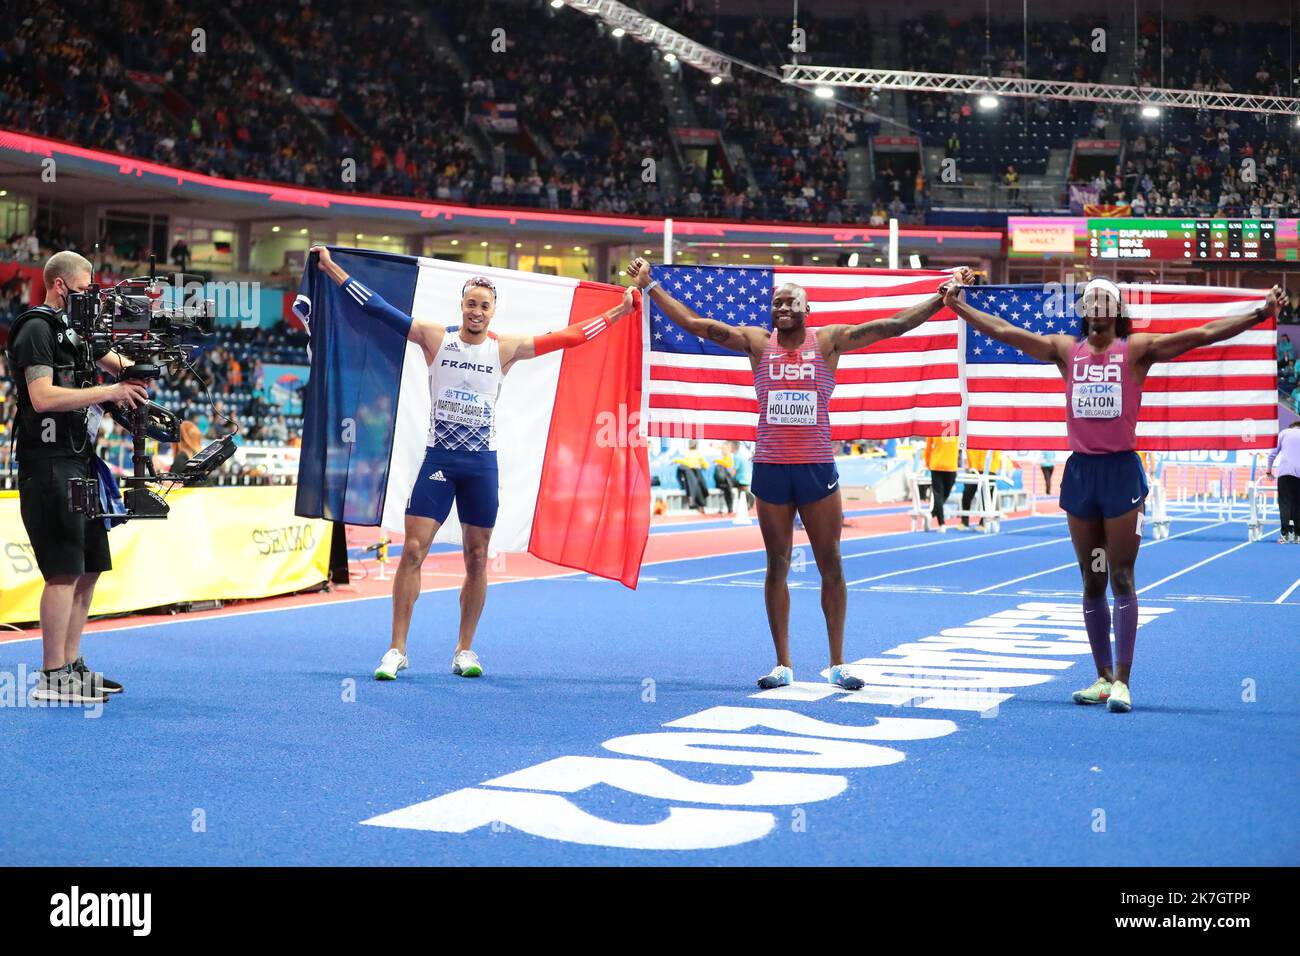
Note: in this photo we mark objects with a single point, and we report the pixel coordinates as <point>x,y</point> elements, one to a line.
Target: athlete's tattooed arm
<point>846,338</point>
<point>747,339</point>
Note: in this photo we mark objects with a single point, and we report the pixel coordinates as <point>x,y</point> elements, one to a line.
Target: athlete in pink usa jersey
<point>1104,487</point>
<point>794,464</point>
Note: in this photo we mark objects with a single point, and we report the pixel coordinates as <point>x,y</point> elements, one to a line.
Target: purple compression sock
<point>1096,617</point>
<point>1126,627</point>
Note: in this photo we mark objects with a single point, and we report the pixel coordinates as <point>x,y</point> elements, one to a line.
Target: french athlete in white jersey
<point>467,365</point>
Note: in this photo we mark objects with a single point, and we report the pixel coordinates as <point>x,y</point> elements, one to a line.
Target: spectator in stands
<point>1011,178</point>
<point>180,254</point>
<point>189,445</point>
<point>941,458</point>
<point>1285,348</point>
<point>1286,377</point>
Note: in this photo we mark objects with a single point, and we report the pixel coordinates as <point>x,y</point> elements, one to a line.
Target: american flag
<point>1218,397</point>
<point>899,387</point>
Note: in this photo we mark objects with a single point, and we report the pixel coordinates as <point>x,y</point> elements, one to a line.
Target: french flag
<point>574,472</point>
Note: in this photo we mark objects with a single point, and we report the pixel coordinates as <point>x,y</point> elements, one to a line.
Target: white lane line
<point>384,597</point>
<point>859,554</point>
<point>1075,564</point>
<point>1287,593</point>
<point>1193,567</point>
<point>944,564</point>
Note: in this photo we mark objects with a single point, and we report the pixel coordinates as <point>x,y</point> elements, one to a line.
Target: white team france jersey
<point>464,384</point>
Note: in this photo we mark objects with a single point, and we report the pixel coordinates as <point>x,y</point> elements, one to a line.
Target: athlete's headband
<point>479,280</point>
<point>1102,285</point>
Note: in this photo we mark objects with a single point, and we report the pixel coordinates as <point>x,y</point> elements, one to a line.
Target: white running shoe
<point>393,661</point>
<point>781,676</point>
<point>466,664</point>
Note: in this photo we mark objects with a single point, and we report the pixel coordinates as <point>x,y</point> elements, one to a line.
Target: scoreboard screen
<point>1195,240</point>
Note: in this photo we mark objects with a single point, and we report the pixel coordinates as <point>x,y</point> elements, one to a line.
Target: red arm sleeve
<point>570,336</point>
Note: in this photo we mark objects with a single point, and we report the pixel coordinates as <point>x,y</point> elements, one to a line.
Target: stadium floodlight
<point>842,77</point>
<point>1150,112</point>
<point>672,44</point>
<point>557,3</point>
<point>987,102</point>
<point>715,80</point>
<point>618,32</point>
<point>823,92</point>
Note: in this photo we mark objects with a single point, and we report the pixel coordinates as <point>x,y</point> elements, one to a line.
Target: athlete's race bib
<point>792,406</point>
<point>461,406</point>
<point>1097,399</point>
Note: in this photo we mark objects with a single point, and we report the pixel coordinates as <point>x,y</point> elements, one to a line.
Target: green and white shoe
<point>1098,693</point>
<point>393,661</point>
<point>1120,702</point>
<point>466,664</point>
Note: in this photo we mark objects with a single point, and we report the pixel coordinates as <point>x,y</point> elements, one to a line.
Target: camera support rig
<point>129,319</point>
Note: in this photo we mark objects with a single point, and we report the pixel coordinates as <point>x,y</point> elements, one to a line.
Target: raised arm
<point>517,348</point>
<point>1162,348</point>
<point>424,333</point>
<point>746,339</point>
<point>1046,348</point>
<point>846,338</point>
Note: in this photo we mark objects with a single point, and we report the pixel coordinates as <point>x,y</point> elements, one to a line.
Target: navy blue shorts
<point>794,484</point>
<point>467,477</point>
<point>1103,486</point>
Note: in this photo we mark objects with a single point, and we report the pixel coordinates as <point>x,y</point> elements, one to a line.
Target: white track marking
<point>451,587</point>
<point>1075,564</point>
<point>1193,567</point>
<point>1288,592</point>
<point>860,554</point>
<point>944,564</point>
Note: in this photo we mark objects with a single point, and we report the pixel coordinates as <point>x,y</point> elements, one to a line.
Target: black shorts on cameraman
<point>65,543</point>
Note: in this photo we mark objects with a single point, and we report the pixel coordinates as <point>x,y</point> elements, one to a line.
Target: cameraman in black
<point>57,423</point>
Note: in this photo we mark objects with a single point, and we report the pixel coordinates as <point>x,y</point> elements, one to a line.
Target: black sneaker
<point>95,679</point>
<point>63,685</point>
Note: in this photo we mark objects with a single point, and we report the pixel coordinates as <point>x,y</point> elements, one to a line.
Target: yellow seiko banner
<point>217,543</point>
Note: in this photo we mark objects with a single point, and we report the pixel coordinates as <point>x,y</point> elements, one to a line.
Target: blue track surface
<point>245,718</point>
